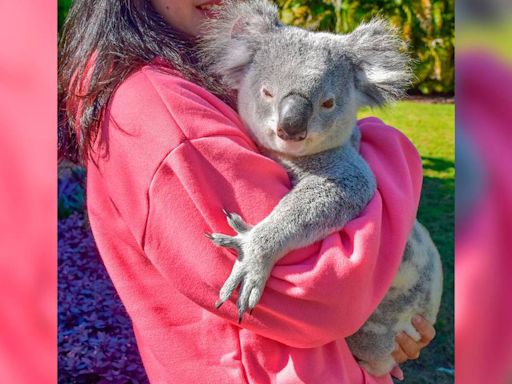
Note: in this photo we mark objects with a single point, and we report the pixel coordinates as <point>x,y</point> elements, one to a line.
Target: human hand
<point>409,349</point>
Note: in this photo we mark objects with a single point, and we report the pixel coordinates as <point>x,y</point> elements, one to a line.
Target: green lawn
<point>431,128</point>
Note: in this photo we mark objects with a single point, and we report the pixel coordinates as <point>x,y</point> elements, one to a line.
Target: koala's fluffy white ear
<point>231,38</point>
<point>382,64</point>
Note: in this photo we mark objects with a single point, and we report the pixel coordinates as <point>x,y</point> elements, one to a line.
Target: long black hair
<point>102,43</point>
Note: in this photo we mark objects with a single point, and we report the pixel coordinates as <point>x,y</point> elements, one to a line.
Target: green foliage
<point>426,25</point>
<point>63,11</point>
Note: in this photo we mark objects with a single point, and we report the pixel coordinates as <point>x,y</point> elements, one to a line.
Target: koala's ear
<point>231,38</point>
<point>382,65</point>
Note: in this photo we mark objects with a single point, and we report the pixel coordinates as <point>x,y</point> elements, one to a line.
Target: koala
<point>298,95</point>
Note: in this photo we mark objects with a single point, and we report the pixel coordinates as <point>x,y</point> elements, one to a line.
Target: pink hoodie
<point>176,156</point>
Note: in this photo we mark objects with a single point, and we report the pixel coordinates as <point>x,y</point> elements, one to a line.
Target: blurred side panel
<point>483,291</point>
<point>28,204</point>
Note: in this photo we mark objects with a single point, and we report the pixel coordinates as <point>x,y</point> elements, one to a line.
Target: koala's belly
<point>416,290</point>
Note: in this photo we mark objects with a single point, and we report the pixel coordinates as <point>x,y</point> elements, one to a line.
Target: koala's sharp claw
<point>250,271</point>
<point>228,215</point>
<point>225,240</point>
<point>218,304</point>
<point>208,236</point>
<point>251,310</point>
<point>238,224</point>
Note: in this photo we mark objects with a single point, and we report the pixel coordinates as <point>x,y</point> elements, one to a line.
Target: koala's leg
<point>373,345</point>
<point>316,207</point>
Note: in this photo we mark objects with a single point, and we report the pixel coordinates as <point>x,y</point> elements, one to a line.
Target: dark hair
<point>102,43</point>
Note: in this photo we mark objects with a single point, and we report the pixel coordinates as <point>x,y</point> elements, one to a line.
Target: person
<point>165,152</point>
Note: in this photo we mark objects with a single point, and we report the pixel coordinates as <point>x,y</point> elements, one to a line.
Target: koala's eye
<point>328,104</point>
<point>266,93</point>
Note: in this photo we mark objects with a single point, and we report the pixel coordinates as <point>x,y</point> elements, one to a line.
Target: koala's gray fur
<point>298,94</point>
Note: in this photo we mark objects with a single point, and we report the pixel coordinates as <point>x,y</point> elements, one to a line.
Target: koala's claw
<point>251,280</point>
<point>225,240</point>
<point>249,272</point>
<point>236,222</point>
<point>235,242</point>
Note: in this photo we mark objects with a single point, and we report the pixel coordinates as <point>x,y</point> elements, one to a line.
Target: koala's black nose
<point>294,113</point>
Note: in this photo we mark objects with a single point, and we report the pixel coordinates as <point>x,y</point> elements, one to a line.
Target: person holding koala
<point>165,153</point>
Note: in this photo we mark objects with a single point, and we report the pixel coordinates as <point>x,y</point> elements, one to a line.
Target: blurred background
<point>28,189</point>
<point>92,321</point>
<point>483,289</point>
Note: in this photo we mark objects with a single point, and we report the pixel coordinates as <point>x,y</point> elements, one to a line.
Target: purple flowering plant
<point>96,342</point>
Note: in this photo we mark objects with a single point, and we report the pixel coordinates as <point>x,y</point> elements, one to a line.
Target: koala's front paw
<point>250,271</point>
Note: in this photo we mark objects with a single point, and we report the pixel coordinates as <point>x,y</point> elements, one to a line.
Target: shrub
<point>427,26</point>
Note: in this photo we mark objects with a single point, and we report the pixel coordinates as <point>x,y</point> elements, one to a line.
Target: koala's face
<point>297,97</point>
<point>299,91</point>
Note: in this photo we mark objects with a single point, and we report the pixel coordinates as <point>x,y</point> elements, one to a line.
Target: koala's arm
<point>331,188</point>
<point>317,206</point>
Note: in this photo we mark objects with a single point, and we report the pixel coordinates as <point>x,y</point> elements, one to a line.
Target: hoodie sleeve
<point>314,295</point>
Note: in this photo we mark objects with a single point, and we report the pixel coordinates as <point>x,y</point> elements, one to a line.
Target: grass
<point>431,128</point>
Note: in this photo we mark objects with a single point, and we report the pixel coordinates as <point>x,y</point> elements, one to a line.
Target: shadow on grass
<point>437,164</point>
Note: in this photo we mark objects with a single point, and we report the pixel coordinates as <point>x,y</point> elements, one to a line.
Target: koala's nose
<point>294,113</point>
